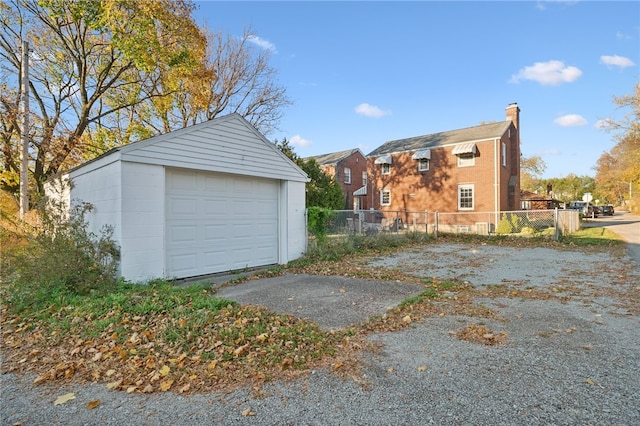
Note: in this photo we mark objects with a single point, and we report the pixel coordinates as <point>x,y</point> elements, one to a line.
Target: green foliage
<point>318,219</point>
<point>512,223</point>
<point>60,257</point>
<point>322,190</point>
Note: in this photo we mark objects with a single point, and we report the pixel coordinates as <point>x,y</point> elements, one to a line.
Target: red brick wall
<point>437,188</point>
<point>358,164</point>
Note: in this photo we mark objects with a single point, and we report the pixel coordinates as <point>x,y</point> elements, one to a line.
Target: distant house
<point>212,197</point>
<point>349,169</point>
<point>470,170</point>
<point>533,201</point>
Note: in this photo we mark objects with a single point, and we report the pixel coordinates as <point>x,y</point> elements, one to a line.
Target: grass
<point>159,336</point>
<point>127,335</point>
<point>593,236</point>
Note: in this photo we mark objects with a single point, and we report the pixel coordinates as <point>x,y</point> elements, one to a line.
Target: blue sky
<point>362,73</point>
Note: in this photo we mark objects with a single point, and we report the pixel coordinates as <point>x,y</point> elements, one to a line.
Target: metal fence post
<point>435,230</point>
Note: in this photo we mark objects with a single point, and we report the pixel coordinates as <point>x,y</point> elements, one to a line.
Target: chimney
<point>513,114</point>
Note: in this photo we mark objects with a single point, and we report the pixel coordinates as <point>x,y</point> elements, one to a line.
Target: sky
<point>365,72</point>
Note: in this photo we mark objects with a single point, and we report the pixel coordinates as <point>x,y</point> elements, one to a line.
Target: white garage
<point>213,197</point>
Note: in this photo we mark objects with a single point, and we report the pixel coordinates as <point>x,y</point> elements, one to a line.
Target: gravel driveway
<point>566,362</point>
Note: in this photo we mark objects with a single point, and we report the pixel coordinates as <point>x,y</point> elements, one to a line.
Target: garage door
<point>218,222</point>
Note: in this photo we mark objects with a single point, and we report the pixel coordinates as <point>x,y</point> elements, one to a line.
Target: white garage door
<point>218,222</point>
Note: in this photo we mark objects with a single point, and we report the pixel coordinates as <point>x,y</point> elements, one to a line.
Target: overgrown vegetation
<point>163,337</point>
<point>56,255</point>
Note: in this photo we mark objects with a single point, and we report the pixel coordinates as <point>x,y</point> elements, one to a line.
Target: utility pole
<point>24,153</point>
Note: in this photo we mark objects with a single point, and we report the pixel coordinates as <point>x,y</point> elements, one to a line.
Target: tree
<point>323,190</point>
<point>105,73</point>
<point>531,170</point>
<point>618,171</point>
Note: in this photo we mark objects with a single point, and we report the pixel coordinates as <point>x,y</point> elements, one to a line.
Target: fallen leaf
<point>337,365</point>
<point>343,290</point>
<point>422,368</point>
<point>165,370</point>
<point>114,385</point>
<point>148,389</point>
<point>166,385</point>
<point>110,373</point>
<point>248,412</point>
<point>212,365</point>
<point>406,319</point>
<point>590,382</point>
<point>184,388</point>
<point>62,399</point>
<point>93,404</point>
<point>131,389</point>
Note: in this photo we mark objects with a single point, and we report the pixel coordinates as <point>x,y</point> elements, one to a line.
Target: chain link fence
<point>521,222</point>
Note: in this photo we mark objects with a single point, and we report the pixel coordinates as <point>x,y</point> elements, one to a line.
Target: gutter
<point>496,163</point>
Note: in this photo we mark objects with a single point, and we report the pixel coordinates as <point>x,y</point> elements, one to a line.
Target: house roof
<point>452,137</point>
<point>532,196</point>
<point>333,157</point>
<point>227,144</point>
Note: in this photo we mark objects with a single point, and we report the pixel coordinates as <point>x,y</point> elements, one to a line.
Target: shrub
<point>60,255</point>
<point>318,221</point>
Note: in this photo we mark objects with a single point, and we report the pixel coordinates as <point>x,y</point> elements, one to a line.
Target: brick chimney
<point>513,114</point>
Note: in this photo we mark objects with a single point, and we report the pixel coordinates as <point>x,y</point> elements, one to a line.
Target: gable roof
<point>228,144</point>
<point>334,157</point>
<point>452,137</point>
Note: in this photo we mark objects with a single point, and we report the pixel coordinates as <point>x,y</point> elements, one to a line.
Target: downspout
<point>496,163</point>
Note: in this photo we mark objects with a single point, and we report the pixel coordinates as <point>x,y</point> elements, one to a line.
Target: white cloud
<point>549,73</point>
<point>616,61</point>
<point>603,124</point>
<point>370,111</point>
<point>622,36</point>
<point>298,140</point>
<point>264,44</point>
<point>570,120</point>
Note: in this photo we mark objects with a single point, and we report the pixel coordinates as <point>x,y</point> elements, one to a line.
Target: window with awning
<point>423,154</point>
<point>383,159</point>
<point>464,148</point>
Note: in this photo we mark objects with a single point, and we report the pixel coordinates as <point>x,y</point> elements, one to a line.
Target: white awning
<point>423,154</point>
<point>360,192</point>
<point>384,159</point>
<point>464,148</point>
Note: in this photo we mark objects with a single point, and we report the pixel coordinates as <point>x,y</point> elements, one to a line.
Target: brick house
<point>349,169</point>
<point>533,201</point>
<point>474,169</point>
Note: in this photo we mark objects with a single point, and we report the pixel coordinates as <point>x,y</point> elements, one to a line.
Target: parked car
<point>607,210</point>
<point>583,207</point>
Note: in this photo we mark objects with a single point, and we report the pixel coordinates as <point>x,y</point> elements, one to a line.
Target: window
<point>423,164</point>
<point>466,160</point>
<point>347,175</point>
<point>386,169</point>
<point>465,197</point>
<point>385,197</point>
<point>504,154</point>
<point>364,178</point>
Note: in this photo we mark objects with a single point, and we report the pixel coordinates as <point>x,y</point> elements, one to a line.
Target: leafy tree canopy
<point>323,190</point>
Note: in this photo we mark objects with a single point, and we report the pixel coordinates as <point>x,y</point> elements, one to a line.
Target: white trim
<point>382,192</point>
<point>473,196</point>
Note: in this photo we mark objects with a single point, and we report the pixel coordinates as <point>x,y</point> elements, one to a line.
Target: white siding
<point>227,145</point>
<point>101,188</point>
<point>294,243</point>
<point>142,237</point>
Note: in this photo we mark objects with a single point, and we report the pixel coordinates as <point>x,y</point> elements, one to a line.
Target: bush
<point>60,255</point>
<point>318,221</point>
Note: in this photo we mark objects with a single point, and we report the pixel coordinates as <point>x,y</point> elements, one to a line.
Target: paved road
<point>624,224</point>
